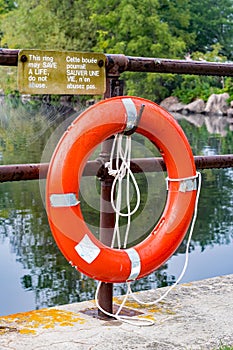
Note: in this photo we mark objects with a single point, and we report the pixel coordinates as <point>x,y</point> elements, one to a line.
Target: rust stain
<point>149,311</point>
<point>30,322</point>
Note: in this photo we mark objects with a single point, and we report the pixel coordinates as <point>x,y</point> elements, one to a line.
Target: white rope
<point>135,321</point>
<point>119,173</point>
<point>122,170</point>
<point>198,175</point>
<point>183,178</point>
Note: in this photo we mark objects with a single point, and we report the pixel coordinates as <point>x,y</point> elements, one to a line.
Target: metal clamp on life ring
<point>81,248</point>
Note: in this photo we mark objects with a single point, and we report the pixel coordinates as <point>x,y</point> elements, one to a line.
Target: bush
<point>197,86</point>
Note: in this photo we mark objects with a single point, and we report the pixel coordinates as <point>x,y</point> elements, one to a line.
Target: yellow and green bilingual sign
<point>61,72</point>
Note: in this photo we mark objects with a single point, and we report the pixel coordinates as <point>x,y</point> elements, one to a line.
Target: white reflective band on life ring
<point>188,185</point>
<point>87,250</point>
<point>135,263</point>
<point>64,200</point>
<point>131,113</point>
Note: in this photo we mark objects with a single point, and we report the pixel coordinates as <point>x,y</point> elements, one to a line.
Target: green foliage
<point>228,87</point>
<point>8,77</point>
<point>155,87</point>
<point>213,54</point>
<point>5,7</point>
<point>134,28</point>
<point>48,25</point>
<point>225,347</point>
<point>177,14</point>
<point>31,26</point>
<point>211,22</point>
<point>149,28</point>
<point>191,87</point>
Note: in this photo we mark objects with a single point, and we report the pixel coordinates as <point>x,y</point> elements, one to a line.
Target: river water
<point>33,272</point>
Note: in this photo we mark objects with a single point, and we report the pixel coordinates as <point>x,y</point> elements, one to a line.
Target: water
<point>34,274</point>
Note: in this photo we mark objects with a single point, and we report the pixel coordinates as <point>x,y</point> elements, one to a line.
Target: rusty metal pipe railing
<point>8,57</point>
<point>19,172</point>
<point>107,223</point>
<point>117,64</point>
<point>161,65</point>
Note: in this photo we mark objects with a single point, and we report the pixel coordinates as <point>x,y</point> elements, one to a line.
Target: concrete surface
<point>197,315</point>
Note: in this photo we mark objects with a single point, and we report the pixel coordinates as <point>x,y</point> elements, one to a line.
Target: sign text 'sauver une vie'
<point>61,72</point>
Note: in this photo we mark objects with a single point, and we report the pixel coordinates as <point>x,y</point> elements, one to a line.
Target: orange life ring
<point>77,243</point>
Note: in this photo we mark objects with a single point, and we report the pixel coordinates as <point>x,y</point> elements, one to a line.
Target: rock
<point>172,104</point>
<point>167,102</point>
<point>230,112</point>
<point>197,106</point>
<point>217,104</point>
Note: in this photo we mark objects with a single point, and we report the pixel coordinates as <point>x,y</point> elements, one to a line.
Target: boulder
<point>217,104</point>
<point>169,101</point>
<point>172,104</point>
<point>197,106</point>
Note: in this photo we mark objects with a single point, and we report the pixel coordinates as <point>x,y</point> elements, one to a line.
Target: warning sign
<point>61,72</point>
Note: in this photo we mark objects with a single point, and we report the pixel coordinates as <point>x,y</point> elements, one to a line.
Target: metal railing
<point>17,172</point>
<point>115,65</point>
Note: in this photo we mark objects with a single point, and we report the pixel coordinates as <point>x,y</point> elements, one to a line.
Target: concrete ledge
<point>198,315</point>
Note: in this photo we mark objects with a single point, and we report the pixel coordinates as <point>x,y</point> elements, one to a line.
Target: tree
<point>134,28</point>
<point>191,87</point>
<point>177,14</point>
<point>48,24</point>
<point>6,6</point>
<point>141,28</point>
<point>212,23</point>
<point>149,28</point>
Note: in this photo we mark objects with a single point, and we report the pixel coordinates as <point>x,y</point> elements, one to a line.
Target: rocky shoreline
<point>217,105</point>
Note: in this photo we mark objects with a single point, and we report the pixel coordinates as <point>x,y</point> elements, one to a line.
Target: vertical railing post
<point>107,222</point>
<point>114,87</point>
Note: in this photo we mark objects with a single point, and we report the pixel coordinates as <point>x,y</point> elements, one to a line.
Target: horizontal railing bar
<point>20,172</point>
<point>117,64</point>
<point>161,65</point>
<point>9,57</point>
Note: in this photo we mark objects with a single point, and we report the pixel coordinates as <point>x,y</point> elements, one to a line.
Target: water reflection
<point>42,277</point>
<point>214,124</point>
